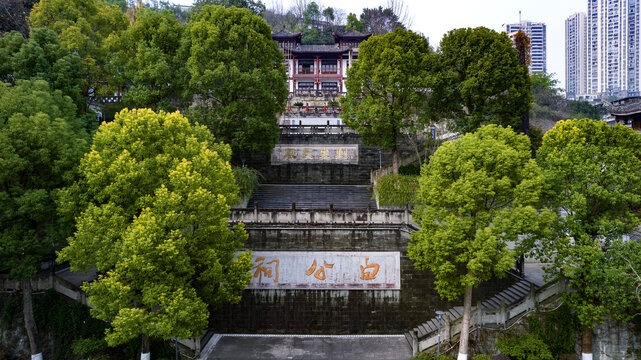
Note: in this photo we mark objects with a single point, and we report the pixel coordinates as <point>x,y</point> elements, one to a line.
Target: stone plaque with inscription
<point>331,154</point>
<point>326,270</point>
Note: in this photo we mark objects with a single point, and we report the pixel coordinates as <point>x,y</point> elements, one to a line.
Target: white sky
<point>434,18</point>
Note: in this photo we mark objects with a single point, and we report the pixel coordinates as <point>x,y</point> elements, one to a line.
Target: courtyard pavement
<point>308,347</point>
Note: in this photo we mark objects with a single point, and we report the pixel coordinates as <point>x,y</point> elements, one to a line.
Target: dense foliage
<point>387,88</point>
<point>480,81</point>
<point>147,62</point>
<point>152,207</point>
<point>476,194</point>
<point>396,190</point>
<point>524,347</point>
<point>594,171</point>
<point>238,80</point>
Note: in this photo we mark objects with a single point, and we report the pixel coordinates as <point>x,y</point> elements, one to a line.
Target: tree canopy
<point>480,80</point>
<point>42,57</point>
<point>152,207</point>
<point>237,77</point>
<point>41,143</point>
<point>476,195</point>
<point>387,88</point>
<point>147,60</point>
<point>82,27</point>
<point>257,7</point>
<point>595,174</point>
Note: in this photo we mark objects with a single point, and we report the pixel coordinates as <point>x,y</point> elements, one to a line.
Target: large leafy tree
<point>41,56</point>
<point>387,88</point>
<point>480,80</point>
<point>152,208</point>
<point>380,21</point>
<point>40,146</point>
<point>83,26</point>
<point>147,62</point>
<point>595,173</point>
<point>255,6</point>
<point>477,194</point>
<point>237,77</point>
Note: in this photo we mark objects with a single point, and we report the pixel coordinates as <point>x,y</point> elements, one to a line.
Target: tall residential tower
<point>536,31</point>
<point>576,80</point>
<point>613,47</point>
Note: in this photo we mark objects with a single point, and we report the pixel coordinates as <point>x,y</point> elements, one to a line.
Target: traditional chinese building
<point>626,111</point>
<point>316,75</point>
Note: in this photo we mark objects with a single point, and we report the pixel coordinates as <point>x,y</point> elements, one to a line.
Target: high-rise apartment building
<point>576,80</point>
<point>536,31</point>
<point>613,47</point>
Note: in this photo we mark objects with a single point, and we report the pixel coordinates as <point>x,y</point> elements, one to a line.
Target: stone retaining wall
<point>338,311</point>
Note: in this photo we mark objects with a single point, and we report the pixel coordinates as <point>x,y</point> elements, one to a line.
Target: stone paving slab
<point>308,347</point>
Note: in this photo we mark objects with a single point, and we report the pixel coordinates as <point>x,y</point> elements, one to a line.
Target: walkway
<point>354,197</point>
<point>308,347</point>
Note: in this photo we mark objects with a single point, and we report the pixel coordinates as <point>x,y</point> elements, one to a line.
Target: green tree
<point>83,26</point>
<point>380,21</point>
<point>152,208</point>
<point>387,88</point>
<point>40,147</point>
<point>480,80</point>
<point>42,57</point>
<point>312,14</point>
<point>237,77</point>
<point>595,173</point>
<point>477,194</point>
<point>257,7</point>
<point>353,23</point>
<point>147,62</point>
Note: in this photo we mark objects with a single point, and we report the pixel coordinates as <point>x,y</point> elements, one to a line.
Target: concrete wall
<point>338,311</point>
<point>331,174</point>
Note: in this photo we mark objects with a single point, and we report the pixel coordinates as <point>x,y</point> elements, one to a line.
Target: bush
<point>411,169</point>
<point>431,356</point>
<point>396,190</point>
<point>333,103</point>
<point>524,347</point>
<point>298,103</point>
<point>556,329</point>
<point>481,357</point>
<point>247,180</point>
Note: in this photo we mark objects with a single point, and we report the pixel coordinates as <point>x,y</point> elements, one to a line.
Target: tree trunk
<point>465,324</point>
<point>586,345</point>
<point>29,323</point>
<point>145,354</point>
<point>525,124</point>
<point>395,161</point>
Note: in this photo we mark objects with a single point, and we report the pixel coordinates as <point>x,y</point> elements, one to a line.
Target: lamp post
<point>439,316</point>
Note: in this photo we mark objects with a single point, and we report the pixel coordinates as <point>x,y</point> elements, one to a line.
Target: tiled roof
<point>327,49</point>
<point>284,33</point>
<point>624,107</point>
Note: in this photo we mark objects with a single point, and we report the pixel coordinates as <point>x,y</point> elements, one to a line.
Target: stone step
<point>275,196</point>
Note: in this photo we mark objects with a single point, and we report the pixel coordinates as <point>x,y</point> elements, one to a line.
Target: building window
<point>305,86</point>
<point>329,67</point>
<point>329,86</point>
<point>305,66</point>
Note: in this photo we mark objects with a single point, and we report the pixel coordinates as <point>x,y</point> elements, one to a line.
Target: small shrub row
<point>396,190</point>
<point>247,180</point>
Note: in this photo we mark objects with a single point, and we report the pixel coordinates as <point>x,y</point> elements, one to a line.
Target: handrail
<point>503,315</point>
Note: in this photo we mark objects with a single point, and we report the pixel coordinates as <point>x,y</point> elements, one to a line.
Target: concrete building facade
<point>613,48</point>
<point>536,31</point>
<point>576,80</point>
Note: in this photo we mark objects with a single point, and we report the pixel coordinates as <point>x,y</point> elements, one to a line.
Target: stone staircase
<point>278,196</point>
<point>506,306</point>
